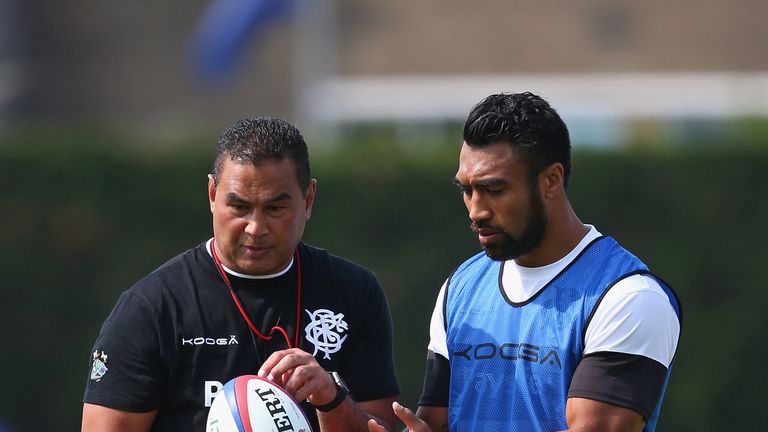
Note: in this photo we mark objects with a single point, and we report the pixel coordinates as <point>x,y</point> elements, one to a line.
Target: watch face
<point>339,382</point>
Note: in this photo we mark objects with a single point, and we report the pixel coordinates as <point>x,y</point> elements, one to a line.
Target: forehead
<point>497,160</point>
<point>270,176</point>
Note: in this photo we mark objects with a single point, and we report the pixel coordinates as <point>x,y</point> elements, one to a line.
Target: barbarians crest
<point>99,367</point>
<point>325,331</point>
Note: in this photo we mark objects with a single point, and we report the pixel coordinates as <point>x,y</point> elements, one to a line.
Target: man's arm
<point>587,415</point>
<point>124,395</point>
<point>303,378</point>
<point>435,417</point>
<point>583,415</point>
<point>629,347</point>
<point>354,416</point>
<point>99,418</point>
<point>426,419</point>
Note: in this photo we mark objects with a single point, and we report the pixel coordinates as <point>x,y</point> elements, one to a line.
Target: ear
<point>211,191</point>
<point>309,198</point>
<point>551,180</point>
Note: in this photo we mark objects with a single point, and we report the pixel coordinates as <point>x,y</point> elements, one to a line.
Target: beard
<point>511,247</point>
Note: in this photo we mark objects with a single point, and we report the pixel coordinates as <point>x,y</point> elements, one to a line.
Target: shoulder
<point>479,258</point>
<point>471,267</point>
<point>338,268</point>
<point>478,271</point>
<point>174,275</point>
<point>639,294</point>
<point>636,316</point>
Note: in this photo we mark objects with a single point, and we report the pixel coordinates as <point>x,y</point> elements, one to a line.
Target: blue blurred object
<point>225,30</point>
<point>5,427</point>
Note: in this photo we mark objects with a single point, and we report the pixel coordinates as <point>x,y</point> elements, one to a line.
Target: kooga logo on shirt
<point>511,352</point>
<point>209,341</point>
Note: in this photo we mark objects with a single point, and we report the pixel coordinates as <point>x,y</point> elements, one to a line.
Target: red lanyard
<point>242,309</point>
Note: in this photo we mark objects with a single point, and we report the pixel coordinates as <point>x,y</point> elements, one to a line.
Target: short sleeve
<point>437,335</point>
<point>629,345</point>
<point>437,380</point>
<point>125,368</point>
<point>635,317</point>
<point>437,375</point>
<point>368,367</point>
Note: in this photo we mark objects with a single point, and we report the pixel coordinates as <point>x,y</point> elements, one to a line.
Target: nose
<point>256,225</point>
<point>478,210</point>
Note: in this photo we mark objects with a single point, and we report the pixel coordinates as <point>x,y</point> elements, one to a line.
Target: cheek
<point>226,222</point>
<point>295,226</point>
<point>511,214</point>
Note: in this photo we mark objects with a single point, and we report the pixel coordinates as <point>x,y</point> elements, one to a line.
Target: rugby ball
<point>249,403</point>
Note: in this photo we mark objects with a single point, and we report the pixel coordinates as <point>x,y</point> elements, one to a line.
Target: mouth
<point>487,235</point>
<point>255,251</point>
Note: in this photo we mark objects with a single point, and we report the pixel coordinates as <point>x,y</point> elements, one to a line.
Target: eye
<point>464,190</point>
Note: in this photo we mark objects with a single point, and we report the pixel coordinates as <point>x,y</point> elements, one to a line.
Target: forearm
<point>587,415</point>
<point>349,416</point>
<point>435,417</point>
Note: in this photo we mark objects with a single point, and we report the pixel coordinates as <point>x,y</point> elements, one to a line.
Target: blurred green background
<point>109,112</point>
<point>83,220</point>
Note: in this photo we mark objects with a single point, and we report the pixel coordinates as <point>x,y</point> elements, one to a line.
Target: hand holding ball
<point>249,403</point>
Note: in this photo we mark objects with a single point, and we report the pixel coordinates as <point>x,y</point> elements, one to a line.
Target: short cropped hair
<point>526,122</point>
<point>263,138</point>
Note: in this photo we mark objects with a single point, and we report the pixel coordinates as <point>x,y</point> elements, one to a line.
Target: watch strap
<point>341,394</point>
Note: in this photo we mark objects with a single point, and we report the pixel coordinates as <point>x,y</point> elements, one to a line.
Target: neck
<point>563,232</point>
<point>212,243</point>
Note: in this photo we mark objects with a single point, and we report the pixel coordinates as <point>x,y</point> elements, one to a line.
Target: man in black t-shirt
<point>251,300</point>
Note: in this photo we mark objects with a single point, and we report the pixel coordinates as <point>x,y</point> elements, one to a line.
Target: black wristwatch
<point>341,393</point>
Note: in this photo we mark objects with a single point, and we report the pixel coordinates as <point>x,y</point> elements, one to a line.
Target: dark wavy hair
<point>263,138</point>
<point>526,122</point>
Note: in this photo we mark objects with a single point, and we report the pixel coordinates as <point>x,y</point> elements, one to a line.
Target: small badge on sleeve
<point>99,367</point>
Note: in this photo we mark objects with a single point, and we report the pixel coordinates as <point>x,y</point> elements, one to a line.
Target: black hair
<point>263,138</point>
<point>526,122</point>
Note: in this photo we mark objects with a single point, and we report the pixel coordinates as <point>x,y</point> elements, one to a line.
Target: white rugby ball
<point>249,403</point>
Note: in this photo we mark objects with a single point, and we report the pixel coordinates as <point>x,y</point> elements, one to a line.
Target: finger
<point>375,427</point>
<point>299,384</point>
<point>407,416</point>
<point>279,380</point>
<point>270,362</point>
<point>287,376</point>
<point>311,382</point>
<point>283,361</point>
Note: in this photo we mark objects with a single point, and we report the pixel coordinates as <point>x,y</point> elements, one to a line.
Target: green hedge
<point>85,215</point>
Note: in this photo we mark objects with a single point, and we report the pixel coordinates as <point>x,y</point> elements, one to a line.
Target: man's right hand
<point>413,423</point>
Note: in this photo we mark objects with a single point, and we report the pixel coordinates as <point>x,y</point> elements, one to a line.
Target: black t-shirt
<point>175,337</point>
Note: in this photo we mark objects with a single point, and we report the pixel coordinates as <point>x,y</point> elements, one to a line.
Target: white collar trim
<point>246,276</point>
<point>521,283</point>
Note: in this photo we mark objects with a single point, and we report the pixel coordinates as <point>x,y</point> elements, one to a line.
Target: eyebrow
<point>481,183</point>
<point>231,196</point>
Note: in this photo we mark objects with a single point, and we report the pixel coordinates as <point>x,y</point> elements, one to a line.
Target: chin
<point>504,252</point>
<point>496,254</point>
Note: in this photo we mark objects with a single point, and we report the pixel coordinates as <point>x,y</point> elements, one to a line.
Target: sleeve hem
<point>433,403</point>
<point>119,404</point>
<point>611,399</point>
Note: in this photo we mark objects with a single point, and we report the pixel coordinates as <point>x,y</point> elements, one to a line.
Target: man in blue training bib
<point>554,326</point>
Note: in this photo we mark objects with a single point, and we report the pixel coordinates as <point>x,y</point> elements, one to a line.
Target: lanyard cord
<point>241,309</point>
